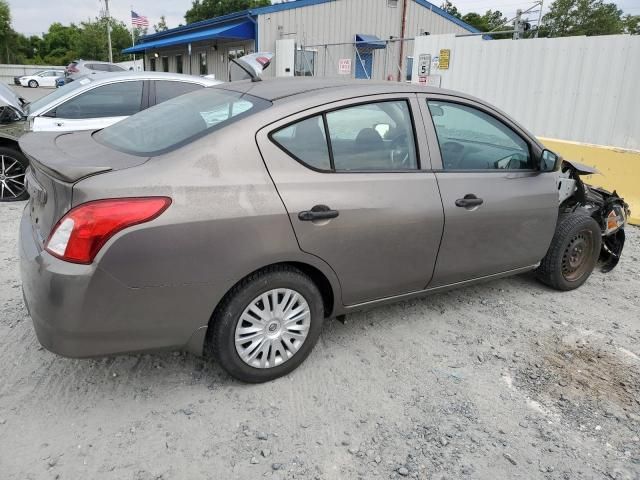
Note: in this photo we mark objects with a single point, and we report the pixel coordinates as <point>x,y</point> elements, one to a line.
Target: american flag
<point>139,20</point>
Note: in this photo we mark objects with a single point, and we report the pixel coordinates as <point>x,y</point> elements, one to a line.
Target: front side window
<point>115,100</point>
<point>370,137</point>
<point>179,120</point>
<point>470,139</point>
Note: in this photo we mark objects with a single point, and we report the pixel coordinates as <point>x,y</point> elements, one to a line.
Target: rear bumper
<point>82,311</point>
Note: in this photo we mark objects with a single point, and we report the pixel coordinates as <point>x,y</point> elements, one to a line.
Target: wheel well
<point>6,142</point>
<point>321,281</point>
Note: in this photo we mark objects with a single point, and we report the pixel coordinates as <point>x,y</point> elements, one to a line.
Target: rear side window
<point>179,120</point>
<point>306,141</point>
<point>116,100</point>
<point>375,136</point>
<point>167,90</point>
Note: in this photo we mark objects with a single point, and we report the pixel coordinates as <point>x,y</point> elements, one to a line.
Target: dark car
<point>236,219</point>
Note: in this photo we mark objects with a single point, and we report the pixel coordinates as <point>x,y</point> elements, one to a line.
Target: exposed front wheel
<point>33,84</point>
<point>573,252</point>
<point>267,325</point>
<point>13,167</point>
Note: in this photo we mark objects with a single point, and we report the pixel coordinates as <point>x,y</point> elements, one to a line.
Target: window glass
<point>178,120</point>
<point>305,63</point>
<point>115,68</point>
<point>306,140</point>
<point>99,67</point>
<point>203,64</point>
<point>114,100</point>
<point>179,63</point>
<point>374,136</point>
<point>167,90</point>
<point>165,64</point>
<point>152,64</point>
<point>473,140</point>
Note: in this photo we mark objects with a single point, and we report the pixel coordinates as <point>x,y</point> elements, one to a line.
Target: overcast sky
<point>32,17</point>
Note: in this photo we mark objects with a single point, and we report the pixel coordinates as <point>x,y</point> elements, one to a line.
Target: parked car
<point>236,219</point>
<point>45,78</point>
<point>81,68</point>
<point>89,103</point>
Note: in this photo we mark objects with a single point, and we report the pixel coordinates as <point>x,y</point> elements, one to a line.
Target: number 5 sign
<point>424,65</point>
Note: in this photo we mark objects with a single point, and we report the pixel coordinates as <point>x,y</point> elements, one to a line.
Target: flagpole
<point>133,38</point>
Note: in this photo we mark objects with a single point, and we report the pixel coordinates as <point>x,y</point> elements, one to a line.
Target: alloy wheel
<point>272,328</point>
<point>11,178</point>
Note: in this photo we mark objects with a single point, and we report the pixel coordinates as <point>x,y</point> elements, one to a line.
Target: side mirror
<point>549,161</point>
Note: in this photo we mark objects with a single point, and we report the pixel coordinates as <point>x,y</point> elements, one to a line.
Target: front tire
<point>13,167</point>
<point>573,252</point>
<point>267,325</point>
<point>33,84</point>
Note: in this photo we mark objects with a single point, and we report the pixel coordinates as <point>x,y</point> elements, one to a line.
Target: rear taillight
<point>72,68</point>
<point>81,233</point>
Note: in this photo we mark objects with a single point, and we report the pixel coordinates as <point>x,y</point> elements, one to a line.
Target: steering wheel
<point>400,151</point>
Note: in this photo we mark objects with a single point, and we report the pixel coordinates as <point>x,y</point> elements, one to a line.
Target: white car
<point>45,78</point>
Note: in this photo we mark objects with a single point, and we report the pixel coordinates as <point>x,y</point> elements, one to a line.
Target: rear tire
<point>262,330</point>
<point>13,167</point>
<point>33,84</point>
<point>573,252</point>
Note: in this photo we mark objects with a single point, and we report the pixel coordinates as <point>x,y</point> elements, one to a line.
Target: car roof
<point>281,88</point>
<point>107,77</point>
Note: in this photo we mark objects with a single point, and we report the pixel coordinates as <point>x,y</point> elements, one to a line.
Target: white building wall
<point>339,21</point>
<point>583,89</point>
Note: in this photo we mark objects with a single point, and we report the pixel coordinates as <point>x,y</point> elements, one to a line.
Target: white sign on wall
<point>344,66</point>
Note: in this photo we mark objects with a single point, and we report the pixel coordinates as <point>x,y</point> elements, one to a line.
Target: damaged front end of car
<point>606,208</point>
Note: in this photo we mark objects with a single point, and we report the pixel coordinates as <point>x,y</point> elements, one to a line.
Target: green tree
<point>631,24</point>
<point>582,17</point>
<point>205,9</point>
<point>5,29</point>
<point>491,20</point>
<point>451,9</point>
<point>161,26</point>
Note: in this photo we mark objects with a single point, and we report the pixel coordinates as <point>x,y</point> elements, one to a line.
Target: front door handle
<point>318,212</point>
<point>469,201</point>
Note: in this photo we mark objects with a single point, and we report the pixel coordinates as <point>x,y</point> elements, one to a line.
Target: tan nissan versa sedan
<point>235,219</point>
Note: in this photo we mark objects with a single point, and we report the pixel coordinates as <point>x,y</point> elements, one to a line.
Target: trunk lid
<point>57,162</point>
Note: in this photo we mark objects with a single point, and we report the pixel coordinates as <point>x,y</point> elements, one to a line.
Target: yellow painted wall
<point>620,169</point>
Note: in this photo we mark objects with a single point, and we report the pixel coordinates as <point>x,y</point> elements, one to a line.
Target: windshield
<point>56,94</point>
<point>179,120</point>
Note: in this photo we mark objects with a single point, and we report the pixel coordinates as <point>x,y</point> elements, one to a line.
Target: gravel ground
<point>504,380</point>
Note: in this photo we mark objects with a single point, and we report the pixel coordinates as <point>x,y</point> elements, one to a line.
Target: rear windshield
<point>178,121</point>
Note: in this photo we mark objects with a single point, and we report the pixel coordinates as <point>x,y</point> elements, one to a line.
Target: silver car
<point>237,219</point>
<point>89,103</point>
<point>81,68</point>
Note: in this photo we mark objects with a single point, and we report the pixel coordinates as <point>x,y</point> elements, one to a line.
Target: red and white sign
<point>422,80</point>
<point>344,66</point>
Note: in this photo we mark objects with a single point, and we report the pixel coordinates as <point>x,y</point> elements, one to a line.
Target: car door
<point>356,182</point>
<point>94,109</point>
<point>500,212</point>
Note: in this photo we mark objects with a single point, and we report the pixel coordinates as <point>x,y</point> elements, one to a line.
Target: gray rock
<point>262,436</point>
<point>510,458</point>
<point>403,471</point>
<point>277,466</point>
<point>265,452</point>
<point>254,461</point>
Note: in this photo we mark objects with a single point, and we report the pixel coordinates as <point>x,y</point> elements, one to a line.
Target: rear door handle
<point>469,201</point>
<point>318,212</point>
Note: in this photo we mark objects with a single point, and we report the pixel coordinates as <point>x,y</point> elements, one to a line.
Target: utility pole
<point>517,25</point>
<point>539,19</point>
<point>106,8</point>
